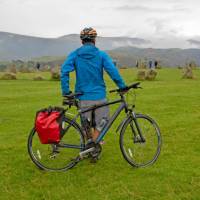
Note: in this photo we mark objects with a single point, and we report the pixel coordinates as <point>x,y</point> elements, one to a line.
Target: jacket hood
<point>87,51</point>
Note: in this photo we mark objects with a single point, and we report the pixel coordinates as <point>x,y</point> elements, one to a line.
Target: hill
<point>14,46</point>
<point>127,56</point>
<point>126,51</point>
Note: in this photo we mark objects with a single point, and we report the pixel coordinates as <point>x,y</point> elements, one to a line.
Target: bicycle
<point>140,138</point>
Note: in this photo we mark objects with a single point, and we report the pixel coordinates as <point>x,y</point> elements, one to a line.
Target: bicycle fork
<point>138,138</point>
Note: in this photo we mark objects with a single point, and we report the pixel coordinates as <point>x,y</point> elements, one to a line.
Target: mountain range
<point>14,46</point>
<point>125,50</point>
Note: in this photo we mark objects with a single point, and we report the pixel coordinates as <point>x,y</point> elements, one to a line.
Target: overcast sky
<point>166,23</point>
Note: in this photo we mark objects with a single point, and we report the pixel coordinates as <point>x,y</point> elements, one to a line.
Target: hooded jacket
<point>89,64</point>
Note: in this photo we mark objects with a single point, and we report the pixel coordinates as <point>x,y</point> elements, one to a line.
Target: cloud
<point>2,1</point>
<point>164,26</point>
<point>110,27</point>
<point>133,18</point>
<point>140,8</point>
<point>194,42</point>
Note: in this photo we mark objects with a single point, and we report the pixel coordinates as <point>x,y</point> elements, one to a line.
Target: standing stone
<point>141,75</point>
<point>187,73</point>
<point>151,75</point>
<point>55,73</point>
<point>9,76</point>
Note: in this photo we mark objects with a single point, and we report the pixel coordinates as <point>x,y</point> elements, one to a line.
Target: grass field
<point>173,102</point>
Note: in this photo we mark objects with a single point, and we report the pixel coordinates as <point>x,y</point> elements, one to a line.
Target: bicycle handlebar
<point>70,99</point>
<point>71,96</point>
<point>134,85</point>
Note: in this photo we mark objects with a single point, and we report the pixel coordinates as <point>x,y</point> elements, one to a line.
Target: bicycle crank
<point>83,153</point>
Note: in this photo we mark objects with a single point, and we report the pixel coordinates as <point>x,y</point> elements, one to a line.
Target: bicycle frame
<point>122,106</point>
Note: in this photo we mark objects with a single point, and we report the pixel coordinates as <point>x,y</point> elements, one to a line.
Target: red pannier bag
<point>48,124</point>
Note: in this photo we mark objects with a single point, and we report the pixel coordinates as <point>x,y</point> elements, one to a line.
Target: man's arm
<point>112,70</point>
<point>66,68</point>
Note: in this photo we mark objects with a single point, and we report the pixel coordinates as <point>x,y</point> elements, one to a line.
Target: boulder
<point>55,73</point>
<point>151,75</point>
<point>187,73</point>
<point>141,75</point>
<point>38,78</point>
<point>8,76</point>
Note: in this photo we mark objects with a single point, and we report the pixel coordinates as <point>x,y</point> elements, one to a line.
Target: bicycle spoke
<point>135,151</point>
<point>57,156</point>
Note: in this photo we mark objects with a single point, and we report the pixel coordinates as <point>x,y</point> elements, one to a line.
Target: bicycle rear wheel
<point>57,157</point>
<point>136,152</point>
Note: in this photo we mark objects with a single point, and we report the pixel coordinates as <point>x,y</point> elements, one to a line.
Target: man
<point>89,63</point>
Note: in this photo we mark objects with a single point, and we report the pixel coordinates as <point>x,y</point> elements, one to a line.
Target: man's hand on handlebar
<point>70,98</point>
<point>67,99</point>
<point>127,88</point>
<point>123,90</point>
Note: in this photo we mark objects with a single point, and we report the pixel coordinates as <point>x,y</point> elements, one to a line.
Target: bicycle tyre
<point>39,153</point>
<point>129,149</point>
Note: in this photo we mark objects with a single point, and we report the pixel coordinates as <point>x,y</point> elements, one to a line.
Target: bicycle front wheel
<point>136,152</point>
<point>57,157</point>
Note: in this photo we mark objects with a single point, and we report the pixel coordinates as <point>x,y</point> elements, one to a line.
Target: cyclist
<point>89,62</point>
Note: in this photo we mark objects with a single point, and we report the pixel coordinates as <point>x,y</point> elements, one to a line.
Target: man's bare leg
<point>95,134</point>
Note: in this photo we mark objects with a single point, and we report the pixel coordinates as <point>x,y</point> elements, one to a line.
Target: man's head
<point>88,35</point>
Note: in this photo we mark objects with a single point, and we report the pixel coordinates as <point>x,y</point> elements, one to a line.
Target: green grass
<point>173,102</point>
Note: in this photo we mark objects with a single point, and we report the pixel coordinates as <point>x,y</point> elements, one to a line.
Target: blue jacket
<point>89,63</point>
